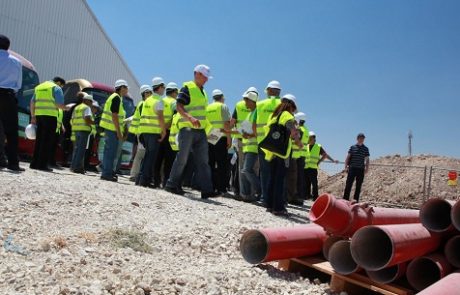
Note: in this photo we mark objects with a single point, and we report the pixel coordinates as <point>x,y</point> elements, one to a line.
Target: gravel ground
<point>62,233</point>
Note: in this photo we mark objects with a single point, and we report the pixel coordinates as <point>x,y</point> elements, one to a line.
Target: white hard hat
<point>252,89</point>
<point>251,95</point>
<point>145,88</point>
<point>96,104</point>
<point>88,97</point>
<point>216,92</point>
<point>157,81</point>
<point>120,83</point>
<point>311,133</point>
<point>289,97</point>
<point>274,84</point>
<point>203,69</point>
<point>172,85</point>
<point>31,131</point>
<point>300,117</point>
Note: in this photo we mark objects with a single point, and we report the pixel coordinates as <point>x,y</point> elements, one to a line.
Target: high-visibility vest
<point>196,107</point>
<point>174,131</point>
<point>78,120</point>
<point>150,122</point>
<point>168,111</point>
<point>250,144</point>
<point>284,118</point>
<point>242,112</point>
<point>134,127</point>
<point>106,119</point>
<point>297,152</point>
<point>313,156</point>
<point>214,115</point>
<point>60,116</point>
<point>265,109</point>
<point>45,105</point>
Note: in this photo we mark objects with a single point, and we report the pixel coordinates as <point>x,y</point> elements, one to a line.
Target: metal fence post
<point>429,182</point>
<point>424,185</point>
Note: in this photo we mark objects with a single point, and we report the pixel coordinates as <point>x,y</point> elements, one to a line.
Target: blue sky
<point>378,67</point>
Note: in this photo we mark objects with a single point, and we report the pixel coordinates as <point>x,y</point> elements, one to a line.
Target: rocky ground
<point>62,233</point>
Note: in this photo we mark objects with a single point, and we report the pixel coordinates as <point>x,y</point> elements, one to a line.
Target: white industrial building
<point>64,38</point>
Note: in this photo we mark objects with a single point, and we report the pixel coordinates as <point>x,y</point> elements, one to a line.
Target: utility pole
<point>410,136</point>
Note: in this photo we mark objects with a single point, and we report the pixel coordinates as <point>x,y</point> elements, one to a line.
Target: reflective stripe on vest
<point>45,105</point>
<point>196,107</point>
<point>250,144</point>
<point>265,109</point>
<point>106,119</point>
<point>150,122</point>
<point>173,133</point>
<point>134,127</point>
<point>313,156</point>
<point>284,118</point>
<point>78,119</point>
<point>168,109</point>
<point>214,115</point>
<point>59,120</point>
<point>242,112</point>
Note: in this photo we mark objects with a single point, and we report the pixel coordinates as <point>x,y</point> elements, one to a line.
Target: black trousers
<point>354,173</point>
<point>301,178</point>
<point>46,132</point>
<point>311,183</point>
<point>218,160</point>
<point>9,120</point>
<point>164,160</point>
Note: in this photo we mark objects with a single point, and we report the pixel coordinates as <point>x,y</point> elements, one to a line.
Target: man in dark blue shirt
<point>356,164</point>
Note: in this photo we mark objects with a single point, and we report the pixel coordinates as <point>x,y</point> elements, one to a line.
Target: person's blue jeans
<point>276,200</point>
<point>249,180</point>
<point>110,152</point>
<point>152,146</point>
<point>264,175</point>
<point>196,140</point>
<point>78,157</point>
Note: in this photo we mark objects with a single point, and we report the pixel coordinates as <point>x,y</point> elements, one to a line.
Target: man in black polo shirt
<point>356,164</point>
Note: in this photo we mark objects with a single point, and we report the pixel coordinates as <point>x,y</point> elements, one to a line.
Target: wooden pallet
<point>357,283</point>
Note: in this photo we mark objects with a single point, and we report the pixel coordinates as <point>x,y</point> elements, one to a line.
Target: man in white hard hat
<point>112,119</point>
<point>82,121</point>
<point>152,131</point>
<point>166,155</point>
<point>265,109</point>
<point>145,91</point>
<point>218,115</point>
<point>191,105</point>
<point>315,154</point>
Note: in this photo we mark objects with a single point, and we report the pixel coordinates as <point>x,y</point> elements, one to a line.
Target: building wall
<point>63,38</point>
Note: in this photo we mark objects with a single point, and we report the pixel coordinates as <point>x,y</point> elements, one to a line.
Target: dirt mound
<point>400,181</point>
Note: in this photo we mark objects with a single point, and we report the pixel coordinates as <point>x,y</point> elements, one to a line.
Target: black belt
<point>7,91</point>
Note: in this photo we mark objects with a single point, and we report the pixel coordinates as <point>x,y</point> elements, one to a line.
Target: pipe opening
<point>435,215</point>
<point>452,251</point>
<point>422,272</point>
<point>319,207</point>
<point>455,215</point>
<point>330,241</point>
<point>341,259</point>
<point>386,275</point>
<point>371,248</point>
<point>254,247</point>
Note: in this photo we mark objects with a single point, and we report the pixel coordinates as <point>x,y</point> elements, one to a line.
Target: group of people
<point>185,141</point>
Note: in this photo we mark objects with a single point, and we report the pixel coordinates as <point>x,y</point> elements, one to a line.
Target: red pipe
<point>455,215</point>
<point>388,274</point>
<point>452,251</point>
<point>270,244</point>
<point>435,215</point>
<point>340,217</point>
<point>427,270</point>
<point>450,285</point>
<point>375,247</point>
<point>328,243</point>
<point>341,259</point>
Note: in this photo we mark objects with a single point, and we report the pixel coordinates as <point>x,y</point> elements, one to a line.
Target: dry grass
<point>88,237</point>
<point>121,238</point>
<point>60,242</point>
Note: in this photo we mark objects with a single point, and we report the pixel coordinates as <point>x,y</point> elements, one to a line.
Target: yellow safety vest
<point>134,127</point>
<point>250,144</point>
<point>174,131</point>
<point>45,105</point>
<point>196,107</point>
<point>168,111</point>
<point>284,118</point>
<point>297,153</point>
<point>265,109</point>
<point>59,120</point>
<point>106,119</point>
<point>242,112</point>
<point>150,122</point>
<point>313,156</point>
<point>214,115</point>
<point>78,120</point>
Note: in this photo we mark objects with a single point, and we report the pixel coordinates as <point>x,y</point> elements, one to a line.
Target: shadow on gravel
<point>197,198</point>
<point>276,272</point>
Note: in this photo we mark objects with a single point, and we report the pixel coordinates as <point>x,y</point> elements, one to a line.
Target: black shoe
<point>57,167</point>
<point>174,190</point>
<point>45,169</point>
<point>78,171</point>
<point>16,168</point>
<point>3,164</point>
<point>110,178</point>
<point>238,198</point>
<point>210,195</point>
<point>296,202</point>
